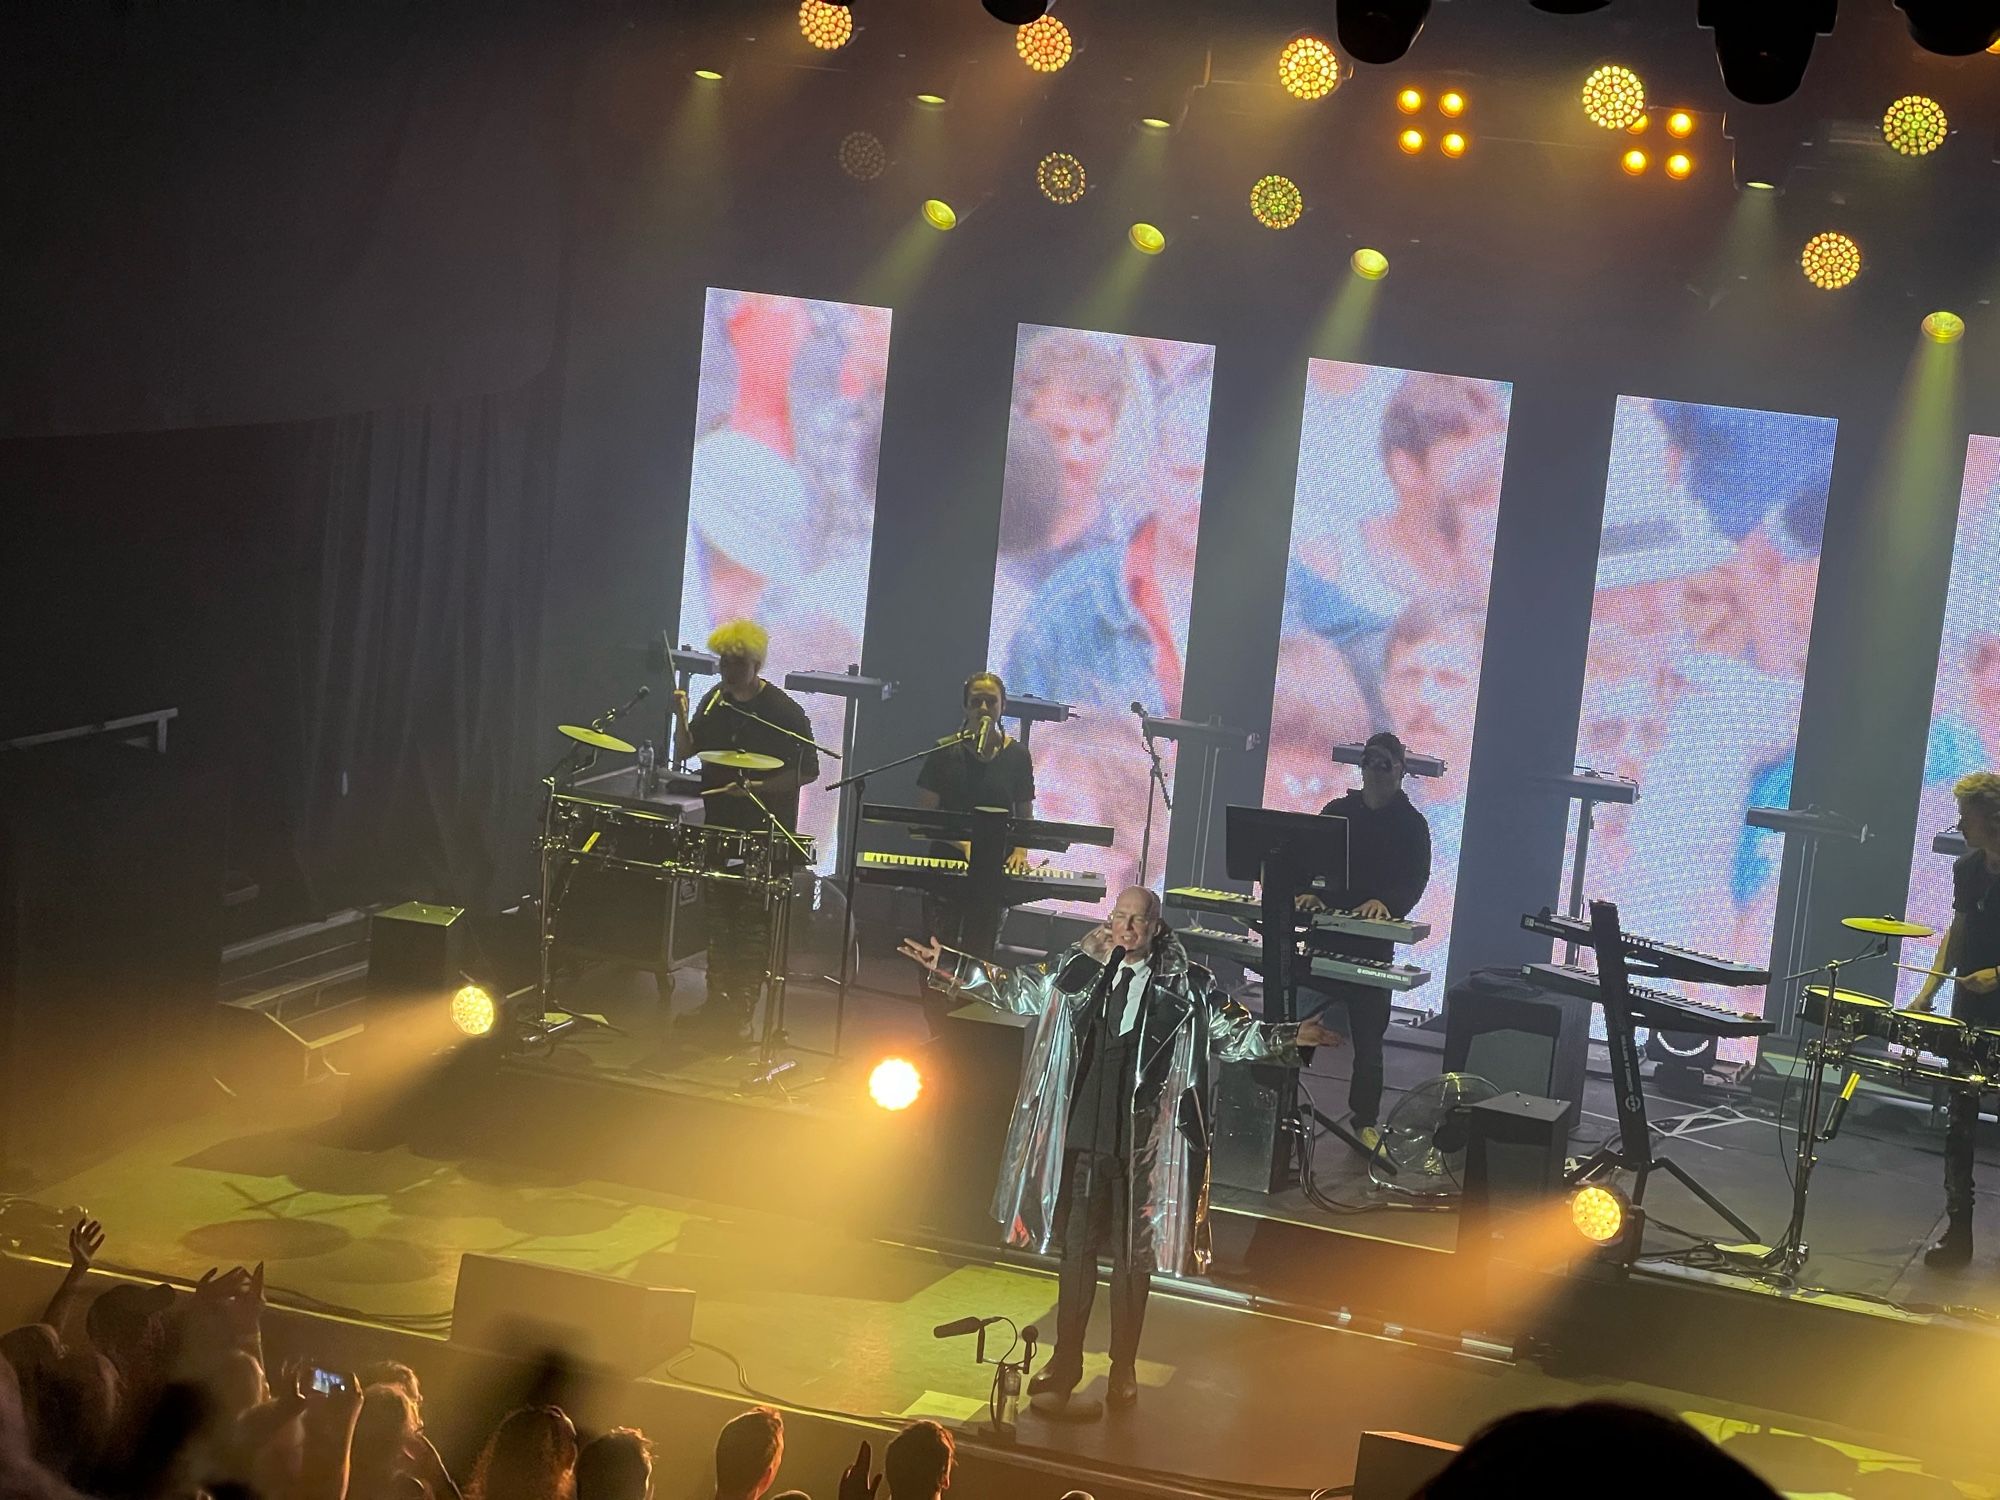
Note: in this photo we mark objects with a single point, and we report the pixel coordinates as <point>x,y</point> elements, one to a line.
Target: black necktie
<point>1119,993</point>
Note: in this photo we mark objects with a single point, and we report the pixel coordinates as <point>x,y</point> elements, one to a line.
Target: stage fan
<point>1426,1136</point>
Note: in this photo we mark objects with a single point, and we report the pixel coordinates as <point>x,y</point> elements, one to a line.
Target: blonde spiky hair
<point>741,638</point>
<point>1981,789</point>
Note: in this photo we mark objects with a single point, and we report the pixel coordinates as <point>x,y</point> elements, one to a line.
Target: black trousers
<point>739,941</point>
<point>1097,1209</point>
<point>1367,1023</point>
<point>1962,1121</point>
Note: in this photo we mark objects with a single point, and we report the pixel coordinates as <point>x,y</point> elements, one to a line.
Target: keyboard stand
<point>1634,1151</point>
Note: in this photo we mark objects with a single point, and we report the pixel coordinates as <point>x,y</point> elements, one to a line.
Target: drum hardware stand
<point>777,952</point>
<point>777,895</point>
<point>1788,1256</point>
<point>557,774</point>
<point>854,789</point>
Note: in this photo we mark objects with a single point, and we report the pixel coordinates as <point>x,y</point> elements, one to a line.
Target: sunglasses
<point>1377,763</point>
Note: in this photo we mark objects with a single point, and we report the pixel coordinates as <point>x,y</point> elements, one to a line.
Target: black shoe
<point>1051,1389</point>
<point>1954,1251</point>
<point>1123,1390</point>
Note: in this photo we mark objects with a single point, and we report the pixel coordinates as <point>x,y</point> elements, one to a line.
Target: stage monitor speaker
<point>1254,1104</point>
<point>524,1309</point>
<point>1396,1466</point>
<point>416,958</point>
<point>1518,1036</point>
<point>415,949</point>
<point>1514,1158</point>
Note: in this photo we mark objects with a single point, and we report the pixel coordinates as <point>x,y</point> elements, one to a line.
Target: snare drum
<point>1943,1037</point>
<point>598,833</point>
<point>1852,1013</point>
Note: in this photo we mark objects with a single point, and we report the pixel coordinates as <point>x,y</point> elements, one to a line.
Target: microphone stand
<point>791,734</point>
<point>1788,1256</point>
<point>1157,784</point>
<point>852,852</point>
<point>609,715</point>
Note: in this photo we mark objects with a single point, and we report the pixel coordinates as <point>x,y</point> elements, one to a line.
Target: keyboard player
<point>986,767</point>
<point>1388,866</point>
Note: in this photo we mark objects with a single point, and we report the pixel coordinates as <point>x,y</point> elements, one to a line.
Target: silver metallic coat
<point>1170,1149</point>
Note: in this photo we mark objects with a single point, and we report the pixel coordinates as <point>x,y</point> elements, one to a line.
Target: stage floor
<point>844,1323</point>
<point>823,1319</point>
<point>1877,1198</point>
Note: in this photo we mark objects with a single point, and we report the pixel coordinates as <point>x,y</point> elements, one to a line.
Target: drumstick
<point>1920,969</point>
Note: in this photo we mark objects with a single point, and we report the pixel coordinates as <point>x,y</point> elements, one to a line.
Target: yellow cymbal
<point>738,760</point>
<point>1887,927</point>
<point>595,737</point>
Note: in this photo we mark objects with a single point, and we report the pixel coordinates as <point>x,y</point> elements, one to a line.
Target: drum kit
<point>640,839</point>
<point>1915,1045</point>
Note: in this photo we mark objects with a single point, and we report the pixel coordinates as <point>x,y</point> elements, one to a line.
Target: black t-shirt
<point>1975,901</point>
<point>714,726</point>
<point>962,781</point>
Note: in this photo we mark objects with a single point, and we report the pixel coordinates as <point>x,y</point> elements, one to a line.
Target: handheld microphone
<point>959,1326</point>
<point>985,730</point>
<point>1117,957</point>
<point>644,689</point>
<point>1839,1111</point>
<point>1137,707</point>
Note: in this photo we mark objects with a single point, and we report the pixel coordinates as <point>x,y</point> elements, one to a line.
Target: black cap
<point>1387,741</point>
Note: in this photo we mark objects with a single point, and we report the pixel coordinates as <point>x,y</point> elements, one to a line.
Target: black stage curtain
<point>346,612</point>
<point>418,636</point>
<point>238,212</point>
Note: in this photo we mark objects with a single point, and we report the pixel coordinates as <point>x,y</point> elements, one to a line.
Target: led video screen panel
<point>1965,706</point>
<point>781,504</point>
<point>1707,569</point>
<point>1393,518</point>
<point>1107,441</point>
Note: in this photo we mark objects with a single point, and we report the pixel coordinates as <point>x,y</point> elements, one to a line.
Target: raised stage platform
<point>787,1209</point>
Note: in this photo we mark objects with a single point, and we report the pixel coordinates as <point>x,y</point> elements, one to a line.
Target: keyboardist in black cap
<point>982,766</point>
<point>1388,866</point>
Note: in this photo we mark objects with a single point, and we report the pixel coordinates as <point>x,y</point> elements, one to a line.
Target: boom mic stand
<point>1156,784</point>
<point>1788,1256</point>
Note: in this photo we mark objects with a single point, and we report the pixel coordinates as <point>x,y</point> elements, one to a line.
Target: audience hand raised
<point>854,1481</point>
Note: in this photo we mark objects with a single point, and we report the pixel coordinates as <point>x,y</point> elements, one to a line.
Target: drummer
<point>1971,954</point>
<point>748,716</point>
